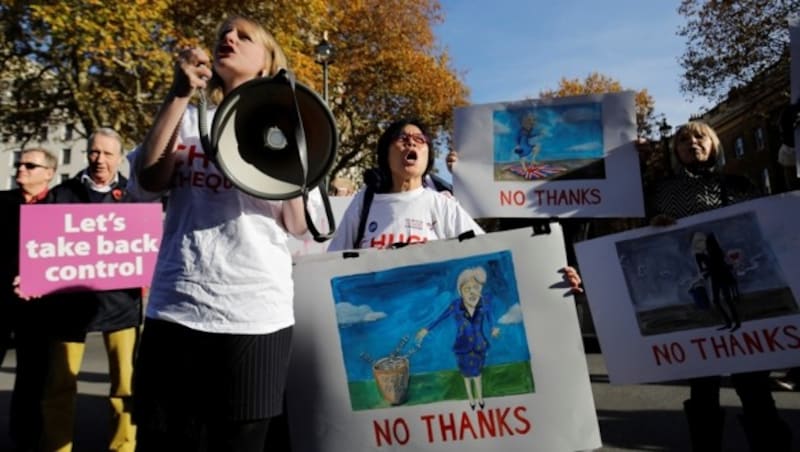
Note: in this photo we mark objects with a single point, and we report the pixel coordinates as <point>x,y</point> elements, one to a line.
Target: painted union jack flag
<point>536,171</point>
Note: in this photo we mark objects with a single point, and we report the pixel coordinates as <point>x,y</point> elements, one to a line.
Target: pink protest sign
<point>80,247</point>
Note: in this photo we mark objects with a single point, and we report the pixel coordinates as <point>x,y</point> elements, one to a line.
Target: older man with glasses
<point>35,170</point>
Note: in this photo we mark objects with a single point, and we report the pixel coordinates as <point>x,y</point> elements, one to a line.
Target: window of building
<point>43,133</point>
<point>15,156</point>
<point>63,177</point>
<point>738,147</point>
<point>13,183</point>
<point>68,131</point>
<point>66,156</point>
<point>759,135</point>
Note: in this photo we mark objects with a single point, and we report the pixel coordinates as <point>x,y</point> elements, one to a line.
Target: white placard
<point>564,157</point>
<point>307,245</point>
<point>360,381</point>
<point>651,292</point>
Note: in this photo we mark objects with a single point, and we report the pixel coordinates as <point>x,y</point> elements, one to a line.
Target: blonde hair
<point>477,274</point>
<point>49,159</point>
<point>277,58</point>
<point>703,129</point>
<point>699,242</point>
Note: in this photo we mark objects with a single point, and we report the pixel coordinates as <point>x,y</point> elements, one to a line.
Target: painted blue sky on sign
<point>376,311</point>
<point>563,132</point>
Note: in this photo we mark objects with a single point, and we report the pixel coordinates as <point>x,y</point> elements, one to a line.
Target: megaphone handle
<point>302,150</point>
<point>326,202</point>
<point>299,130</point>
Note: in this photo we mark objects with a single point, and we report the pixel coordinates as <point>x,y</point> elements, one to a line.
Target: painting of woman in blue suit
<point>472,314</point>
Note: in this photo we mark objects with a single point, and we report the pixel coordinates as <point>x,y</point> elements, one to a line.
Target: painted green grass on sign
<point>499,380</point>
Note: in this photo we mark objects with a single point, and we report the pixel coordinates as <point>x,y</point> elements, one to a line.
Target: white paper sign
<point>308,245</point>
<point>565,157</point>
<point>383,350</point>
<point>662,297</point>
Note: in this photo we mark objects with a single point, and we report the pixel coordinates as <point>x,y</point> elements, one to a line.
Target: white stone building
<point>62,140</point>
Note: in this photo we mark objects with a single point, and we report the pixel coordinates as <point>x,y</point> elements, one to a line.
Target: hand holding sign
<point>92,246</point>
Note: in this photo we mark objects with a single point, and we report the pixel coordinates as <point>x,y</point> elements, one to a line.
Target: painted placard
<point>563,157</point>
<point>82,247</point>
<point>443,346</point>
<point>716,293</point>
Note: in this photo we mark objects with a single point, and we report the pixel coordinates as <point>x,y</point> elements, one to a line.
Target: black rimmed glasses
<point>29,165</point>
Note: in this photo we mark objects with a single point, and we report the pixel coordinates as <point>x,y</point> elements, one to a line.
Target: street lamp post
<point>324,56</point>
<point>665,130</point>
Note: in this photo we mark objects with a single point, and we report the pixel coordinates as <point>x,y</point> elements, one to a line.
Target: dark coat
<point>76,313</point>
<point>10,200</point>
<point>15,314</point>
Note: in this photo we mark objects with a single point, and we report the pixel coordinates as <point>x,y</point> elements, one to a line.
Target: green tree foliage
<point>388,66</point>
<point>101,63</point>
<point>729,42</point>
<point>91,62</point>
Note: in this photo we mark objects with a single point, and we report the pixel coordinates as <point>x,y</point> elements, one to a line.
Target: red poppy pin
<point>117,194</point>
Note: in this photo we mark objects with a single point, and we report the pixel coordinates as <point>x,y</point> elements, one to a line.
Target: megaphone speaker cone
<point>254,138</point>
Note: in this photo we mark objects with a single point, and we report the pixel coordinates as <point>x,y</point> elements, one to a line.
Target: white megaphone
<point>274,138</point>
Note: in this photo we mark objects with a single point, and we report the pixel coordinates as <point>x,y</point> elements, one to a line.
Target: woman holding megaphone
<point>212,365</point>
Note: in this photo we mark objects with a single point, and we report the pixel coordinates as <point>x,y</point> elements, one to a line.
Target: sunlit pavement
<point>632,417</point>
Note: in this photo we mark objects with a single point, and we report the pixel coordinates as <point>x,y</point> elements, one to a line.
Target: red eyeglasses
<point>415,137</point>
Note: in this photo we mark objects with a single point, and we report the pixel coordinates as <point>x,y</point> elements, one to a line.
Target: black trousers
<point>199,391</point>
<point>763,426</point>
<point>230,436</point>
<point>33,357</point>
<point>753,388</point>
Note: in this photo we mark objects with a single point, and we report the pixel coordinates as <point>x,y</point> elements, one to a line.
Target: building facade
<point>62,140</point>
<point>747,123</point>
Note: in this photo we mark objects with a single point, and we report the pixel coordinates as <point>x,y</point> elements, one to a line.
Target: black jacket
<point>73,314</point>
<point>10,203</point>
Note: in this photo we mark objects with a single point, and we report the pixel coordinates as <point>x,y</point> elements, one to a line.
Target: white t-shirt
<point>223,264</point>
<point>414,216</point>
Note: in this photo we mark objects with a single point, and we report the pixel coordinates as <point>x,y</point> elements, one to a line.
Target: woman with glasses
<point>401,210</point>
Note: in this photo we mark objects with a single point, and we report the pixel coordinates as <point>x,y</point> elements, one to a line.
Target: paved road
<point>632,418</point>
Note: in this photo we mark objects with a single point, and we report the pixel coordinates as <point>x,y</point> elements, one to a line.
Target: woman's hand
<point>662,220</point>
<point>643,147</point>
<point>451,159</point>
<point>421,335</point>
<point>192,71</point>
<point>19,294</point>
<point>572,278</point>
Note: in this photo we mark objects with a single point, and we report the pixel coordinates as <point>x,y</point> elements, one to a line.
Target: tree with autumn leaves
<point>99,63</point>
<point>596,83</point>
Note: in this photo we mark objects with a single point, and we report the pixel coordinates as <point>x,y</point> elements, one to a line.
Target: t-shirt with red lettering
<point>224,264</point>
<point>414,216</point>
